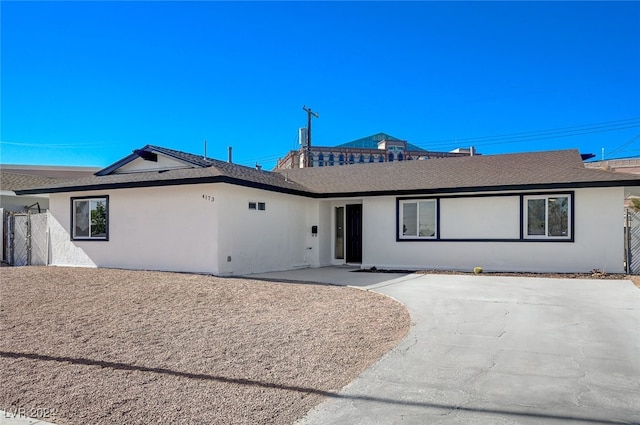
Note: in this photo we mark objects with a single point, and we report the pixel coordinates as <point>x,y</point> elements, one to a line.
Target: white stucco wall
<point>598,237</point>
<point>163,163</point>
<point>149,228</point>
<point>278,238</point>
<point>480,218</point>
<point>325,233</point>
<point>192,228</point>
<point>179,228</point>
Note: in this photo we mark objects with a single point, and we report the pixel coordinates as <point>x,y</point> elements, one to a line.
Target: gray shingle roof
<point>551,169</point>
<point>13,181</point>
<point>486,172</point>
<point>205,170</point>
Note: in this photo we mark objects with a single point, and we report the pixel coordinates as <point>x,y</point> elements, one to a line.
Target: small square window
<point>90,218</point>
<point>252,205</point>
<point>262,206</point>
<point>418,219</point>
<point>548,217</point>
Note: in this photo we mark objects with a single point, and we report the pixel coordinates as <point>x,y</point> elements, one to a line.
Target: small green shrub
<point>477,270</point>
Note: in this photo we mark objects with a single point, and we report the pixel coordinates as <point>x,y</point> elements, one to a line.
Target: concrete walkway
<point>498,350</point>
<point>338,275</point>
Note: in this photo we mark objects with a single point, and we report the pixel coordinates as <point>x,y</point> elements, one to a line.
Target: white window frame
<point>546,198</point>
<point>74,218</point>
<point>417,236</point>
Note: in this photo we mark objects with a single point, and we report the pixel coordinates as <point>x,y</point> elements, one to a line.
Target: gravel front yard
<point>97,346</point>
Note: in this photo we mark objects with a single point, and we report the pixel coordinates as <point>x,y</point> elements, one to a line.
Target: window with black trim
<point>257,206</point>
<point>90,218</point>
<point>418,219</point>
<point>547,216</point>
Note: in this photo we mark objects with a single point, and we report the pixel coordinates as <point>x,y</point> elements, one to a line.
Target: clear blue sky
<point>85,83</point>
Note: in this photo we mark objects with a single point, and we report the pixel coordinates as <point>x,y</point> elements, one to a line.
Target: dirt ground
<point>104,346</point>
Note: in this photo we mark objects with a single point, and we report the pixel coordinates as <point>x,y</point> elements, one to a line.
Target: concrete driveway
<point>499,350</point>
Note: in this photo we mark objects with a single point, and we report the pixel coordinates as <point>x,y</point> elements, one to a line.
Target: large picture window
<point>532,217</point>
<point>90,218</point>
<point>547,216</point>
<point>418,219</point>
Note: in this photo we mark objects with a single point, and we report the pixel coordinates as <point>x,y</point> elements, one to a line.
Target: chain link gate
<point>632,241</point>
<point>27,239</point>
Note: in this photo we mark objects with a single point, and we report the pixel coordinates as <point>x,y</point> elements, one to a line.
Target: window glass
<point>90,218</point>
<point>536,217</point>
<point>409,219</point>
<point>558,216</point>
<point>81,217</point>
<point>548,216</point>
<point>98,218</point>
<point>262,206</point>
<point>427,220</point>
<point>419,218</point>
<point>339,246</point>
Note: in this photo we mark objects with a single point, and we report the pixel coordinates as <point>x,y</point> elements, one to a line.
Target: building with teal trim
<point>380,147</point>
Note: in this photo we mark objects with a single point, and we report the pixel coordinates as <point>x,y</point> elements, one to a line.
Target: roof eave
<point>148,148</point>
<point>321,195</point>
<point>159,183</point>
<point>496,188</point>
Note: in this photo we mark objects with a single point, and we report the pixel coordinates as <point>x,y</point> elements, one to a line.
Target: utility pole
<point>307,156</point>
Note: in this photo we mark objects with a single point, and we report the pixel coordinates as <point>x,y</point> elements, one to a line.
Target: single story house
<point>163,209</point>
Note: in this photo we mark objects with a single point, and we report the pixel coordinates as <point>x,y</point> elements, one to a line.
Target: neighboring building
<point>629,165</point>
<point>163,209</point>
<point>27,176</point>
<point>379,147</point>
<point>14,177</point>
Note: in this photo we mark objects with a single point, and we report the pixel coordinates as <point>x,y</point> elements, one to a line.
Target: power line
<point>541,134</point>
<point>628,142</point>
<point>607,124</point>
<point>56,145</point>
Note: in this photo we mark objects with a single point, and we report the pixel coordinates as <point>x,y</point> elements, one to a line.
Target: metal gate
<point>27,239</point>
<point>632,241</point>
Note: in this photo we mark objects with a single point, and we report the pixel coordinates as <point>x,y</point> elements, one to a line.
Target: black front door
<point>354,233</point>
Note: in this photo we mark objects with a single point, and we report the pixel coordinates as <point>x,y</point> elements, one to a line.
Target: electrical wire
<point>539,134</point>
<point>56,145</point>
<point>627,143</point>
